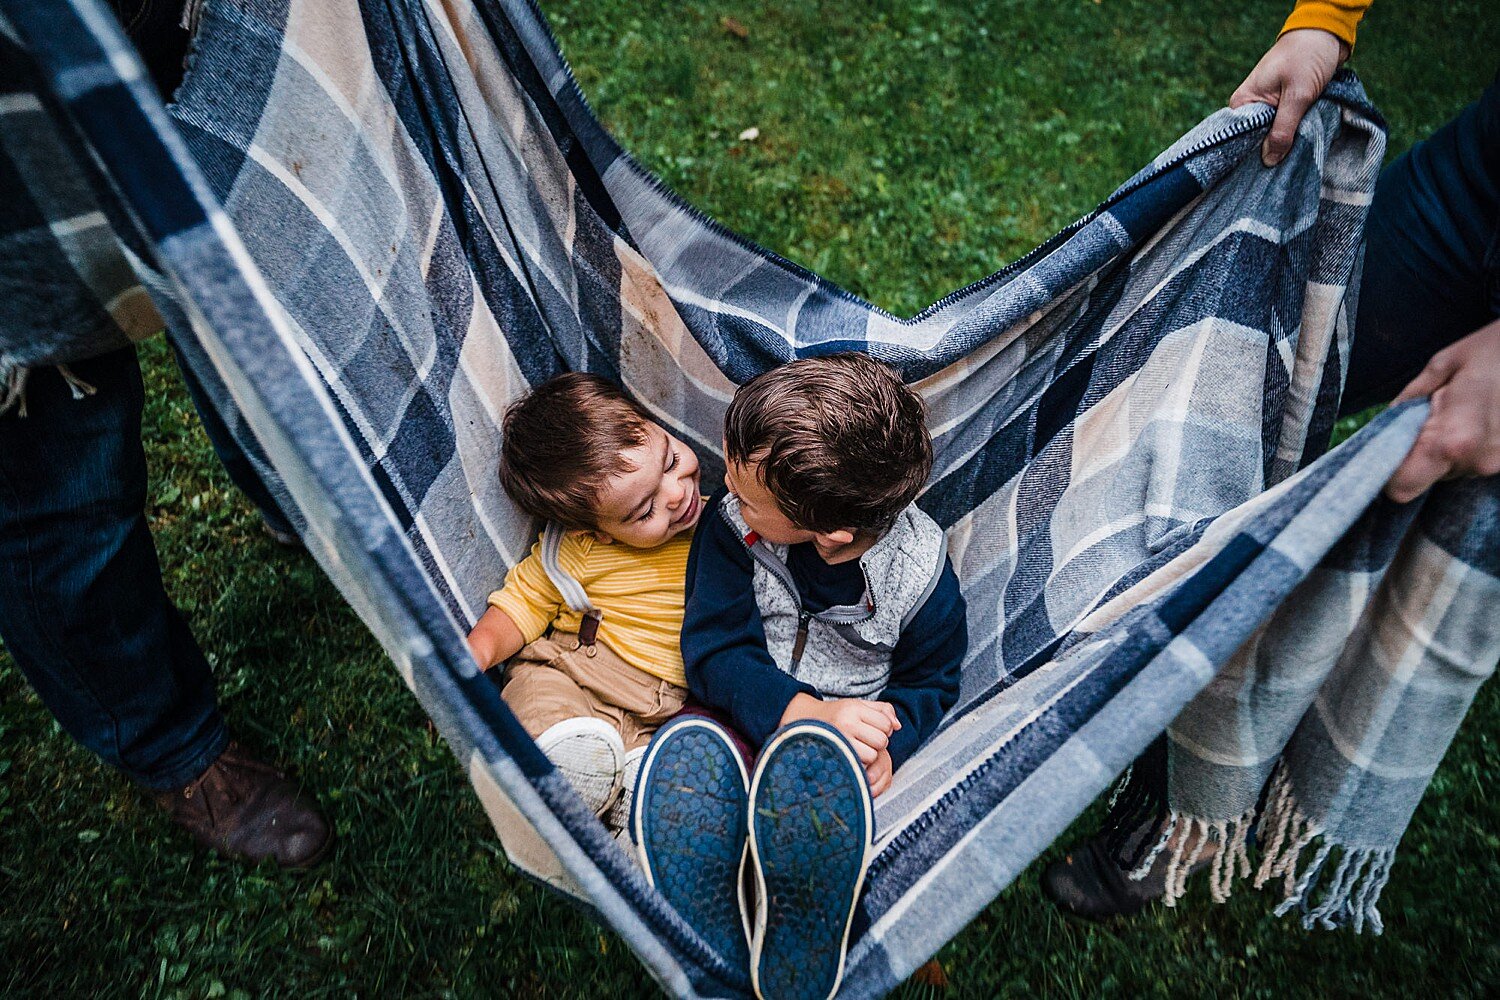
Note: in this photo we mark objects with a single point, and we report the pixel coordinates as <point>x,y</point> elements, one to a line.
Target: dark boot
<point>1088,883</point>
<point>245,809</point>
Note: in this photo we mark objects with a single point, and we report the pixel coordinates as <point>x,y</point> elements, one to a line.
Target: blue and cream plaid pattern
<point>69,281</point>
<point>383,221</point>
<point>1346,699</point>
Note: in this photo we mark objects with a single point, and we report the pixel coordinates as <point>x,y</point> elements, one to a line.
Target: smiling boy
<point>590,620</point>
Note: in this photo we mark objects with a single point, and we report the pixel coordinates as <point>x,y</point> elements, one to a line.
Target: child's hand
<point>879,773</point>
<point>866,724</point>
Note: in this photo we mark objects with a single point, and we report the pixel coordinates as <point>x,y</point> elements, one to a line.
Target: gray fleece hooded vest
<point>845,652</point>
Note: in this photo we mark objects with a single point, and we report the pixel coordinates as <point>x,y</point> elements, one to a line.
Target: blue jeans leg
<point>82,608</point>
<point>1432,254</point>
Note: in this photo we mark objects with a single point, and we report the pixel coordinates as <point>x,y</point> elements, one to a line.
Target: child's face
<point>765,517</point>
<point>657,499</point>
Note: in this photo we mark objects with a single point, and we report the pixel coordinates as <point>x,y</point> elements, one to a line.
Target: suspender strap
<point>572,591</point>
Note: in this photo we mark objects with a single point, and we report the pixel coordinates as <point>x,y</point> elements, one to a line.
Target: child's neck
<point>834,555</point>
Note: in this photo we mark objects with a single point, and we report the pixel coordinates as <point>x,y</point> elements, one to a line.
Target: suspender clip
<point>588,631</point>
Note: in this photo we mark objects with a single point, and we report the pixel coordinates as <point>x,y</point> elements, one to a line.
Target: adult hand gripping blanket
<point>371,225</point>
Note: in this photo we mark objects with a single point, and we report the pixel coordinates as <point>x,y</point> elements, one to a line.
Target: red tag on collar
<point>752,538</point>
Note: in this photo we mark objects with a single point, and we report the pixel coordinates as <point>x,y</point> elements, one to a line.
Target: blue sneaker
<point>690,828</point>
<point>811,821</point>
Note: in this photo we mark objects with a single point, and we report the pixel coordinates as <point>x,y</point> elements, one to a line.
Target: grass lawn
<point>904,149</point>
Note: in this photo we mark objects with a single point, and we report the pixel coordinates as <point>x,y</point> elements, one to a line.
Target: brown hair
<point>562,441</point>
<point>840,440</point>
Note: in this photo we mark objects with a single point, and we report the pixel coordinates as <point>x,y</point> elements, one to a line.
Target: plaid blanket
<point>1323,730</point>
<point>382,221</point>
<point>70,264</point>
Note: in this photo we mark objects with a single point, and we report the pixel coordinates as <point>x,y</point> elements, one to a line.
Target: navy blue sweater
<point>724,644</point>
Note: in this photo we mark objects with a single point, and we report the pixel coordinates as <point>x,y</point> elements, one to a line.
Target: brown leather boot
<point>245,809</point>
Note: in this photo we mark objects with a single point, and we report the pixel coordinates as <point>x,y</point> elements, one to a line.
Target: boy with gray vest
<point>824,625</point>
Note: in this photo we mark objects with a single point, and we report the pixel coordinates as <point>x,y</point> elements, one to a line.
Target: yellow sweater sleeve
<point>1337,17</point>
<point>528,596</point>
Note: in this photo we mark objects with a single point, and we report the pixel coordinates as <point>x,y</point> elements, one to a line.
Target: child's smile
<point>656,499</point>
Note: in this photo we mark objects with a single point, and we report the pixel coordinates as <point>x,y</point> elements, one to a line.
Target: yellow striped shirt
<point>639,591</point>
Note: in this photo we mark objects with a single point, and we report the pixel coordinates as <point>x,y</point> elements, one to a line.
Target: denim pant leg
<point>1432,256</point>
<point>82,607</point>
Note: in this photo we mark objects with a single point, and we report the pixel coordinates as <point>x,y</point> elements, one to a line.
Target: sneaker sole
<point>588,754</point>
<point>690,829</point>
<point>810,825</point>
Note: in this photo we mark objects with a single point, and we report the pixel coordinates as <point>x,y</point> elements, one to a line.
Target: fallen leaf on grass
<point>931,974</point>
<point>734,28</point>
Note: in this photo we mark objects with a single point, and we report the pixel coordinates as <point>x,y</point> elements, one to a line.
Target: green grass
<point>904,150</point>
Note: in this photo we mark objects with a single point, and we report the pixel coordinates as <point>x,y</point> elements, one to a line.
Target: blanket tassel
<point>1185,839</point>
<point>77,386</point>
<point>1333,885</point>
<point>1346,897</point>
<point>1138,808</point>
<point>14,396</point>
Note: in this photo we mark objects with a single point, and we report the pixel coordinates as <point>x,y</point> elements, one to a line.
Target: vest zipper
<point>804,619</point>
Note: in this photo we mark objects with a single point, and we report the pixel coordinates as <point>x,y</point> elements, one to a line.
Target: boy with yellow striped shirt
<point>590,620</point>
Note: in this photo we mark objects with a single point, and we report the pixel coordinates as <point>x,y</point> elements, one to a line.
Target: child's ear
<point>843,536</point>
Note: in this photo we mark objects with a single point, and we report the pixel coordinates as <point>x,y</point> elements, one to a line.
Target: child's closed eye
<point>672,461</point>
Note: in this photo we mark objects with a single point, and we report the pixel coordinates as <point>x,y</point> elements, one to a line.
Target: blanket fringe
<point>1284,833</point>
<point>1184,839</point>
<point>1337,886</point>
<point>77,386</point>
<point>1119,789</point>
<point>1232,860</point>
<point>1348,896</point>
<point>1137,805</point>
<point>14,380</point>
<point>14,396</point>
